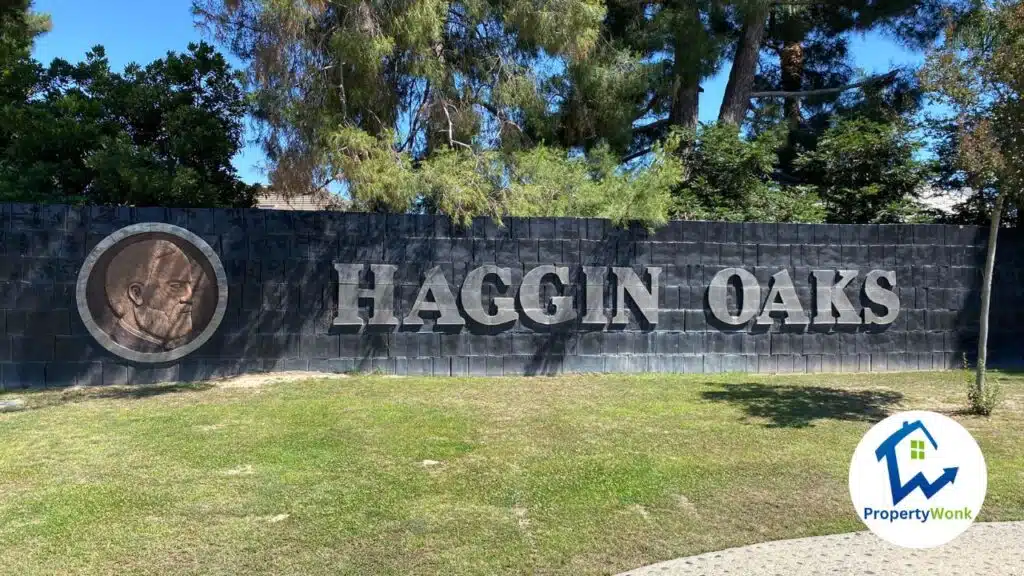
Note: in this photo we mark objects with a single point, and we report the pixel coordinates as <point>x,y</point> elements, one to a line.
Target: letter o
<point>718,296</point>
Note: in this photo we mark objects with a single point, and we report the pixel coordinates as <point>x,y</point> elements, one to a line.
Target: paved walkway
<point>990,549</point>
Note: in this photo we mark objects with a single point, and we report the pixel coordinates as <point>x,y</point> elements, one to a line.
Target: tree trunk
<point>686,76</point>
<point>685,102</point>
<point>744,66</point>
<point>791,60</point>
<point>986,300</point>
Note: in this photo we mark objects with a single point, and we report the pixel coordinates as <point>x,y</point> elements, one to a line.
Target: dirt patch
<point>521,516</point>
<point>246,470</point>
<point>684,503</point>
<point>258,380</point>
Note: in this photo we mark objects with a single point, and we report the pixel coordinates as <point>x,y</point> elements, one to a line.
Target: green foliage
<point>983,400</point>
<point>163,135</point>
<point>445,106</point>
<point>19,26</point>
<point>445,75</point>
<point>730,178</point>
<point>977,76</point>
<point>539,181</point>
<point>865,171</point>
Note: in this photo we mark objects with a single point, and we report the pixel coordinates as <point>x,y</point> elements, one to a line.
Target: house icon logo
<point>917,479</point>
<point>887,451</point>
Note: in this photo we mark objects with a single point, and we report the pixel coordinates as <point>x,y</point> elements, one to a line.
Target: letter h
<point>382,295</point>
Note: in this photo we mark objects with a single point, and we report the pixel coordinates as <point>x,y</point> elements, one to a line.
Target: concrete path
<point>990,549</point>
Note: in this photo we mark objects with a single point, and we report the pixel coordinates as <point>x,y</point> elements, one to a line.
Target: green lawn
<point>376,475</point>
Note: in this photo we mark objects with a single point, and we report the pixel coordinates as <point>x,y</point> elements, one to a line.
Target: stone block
<point>320,346</point>
<point>760,233</point>
<point>849,363</point>
<point>115,374</point>
<point>749,255</point>
<point>781,343</point>
<point>588,364</point>
<point>63,374</point>
<point>595,228</point>
<point>569,228</point>
<point>690,364</point>
<point>487,227</point>
<point>693,342</point>
<point>814,363</point>
<point>723,232</point>
<point>827,234</point>
<point>830,256</point>
<point>34,348</point>
<point>494,366</point>
<point>814,342</point>
<point>542,228</point>
<point>515,365</point>
<point>460,366</point>
<point>734,363</point>
<point>21,375</point>
<point>615,364</point>
<point>788,233</point>
<point>152,375</point>
<point>928,234</point>
<point>441,366</point>
<point>385,366</point>
<point>420,366</point>
<point>693,231</point>
<point>713,363</point>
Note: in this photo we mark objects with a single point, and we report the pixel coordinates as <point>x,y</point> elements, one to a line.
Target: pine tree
<point>443,106</point>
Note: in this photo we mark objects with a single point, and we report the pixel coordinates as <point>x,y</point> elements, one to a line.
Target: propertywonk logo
<point>918,479</point>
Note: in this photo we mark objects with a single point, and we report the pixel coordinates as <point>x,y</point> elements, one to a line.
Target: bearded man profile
<point>150,286</point>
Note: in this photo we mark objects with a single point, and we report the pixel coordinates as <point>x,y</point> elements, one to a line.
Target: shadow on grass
<point>800,406</point>
<point>45,398</point>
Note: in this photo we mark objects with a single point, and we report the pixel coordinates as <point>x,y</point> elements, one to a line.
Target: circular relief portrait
<point>152,292</point>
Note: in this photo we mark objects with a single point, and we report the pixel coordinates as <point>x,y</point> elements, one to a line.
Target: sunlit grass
<point>374,475</point>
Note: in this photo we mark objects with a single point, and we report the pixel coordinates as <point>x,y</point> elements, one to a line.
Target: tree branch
<point>653,126</point>
<point>637,154</point>
<point>883,79</point>
<point>416,119</point>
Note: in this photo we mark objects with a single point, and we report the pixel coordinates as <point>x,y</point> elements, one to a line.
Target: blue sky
<point>143,30</point>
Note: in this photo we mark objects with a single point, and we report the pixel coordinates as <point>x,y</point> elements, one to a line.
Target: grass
<point>374,475</point>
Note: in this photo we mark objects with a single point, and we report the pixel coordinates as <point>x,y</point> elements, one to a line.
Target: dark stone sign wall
<point>115,295</point>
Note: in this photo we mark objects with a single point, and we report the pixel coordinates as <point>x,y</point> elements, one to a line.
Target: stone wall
<point>283,296</point>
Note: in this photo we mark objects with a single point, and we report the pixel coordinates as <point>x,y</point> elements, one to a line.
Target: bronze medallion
<point>152,292</point>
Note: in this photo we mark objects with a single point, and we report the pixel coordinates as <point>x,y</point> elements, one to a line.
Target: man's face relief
<point>163,306</point>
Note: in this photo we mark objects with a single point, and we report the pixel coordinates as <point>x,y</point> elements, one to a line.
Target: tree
<point>977,73</point>
<point>816,33</point>
<point>19,27</point>
<point>865,171</point>
<point>479,77</point>
<point>729,178</point>
<point>441,106</point>
<point>163,135</point>
<point>794,53</point>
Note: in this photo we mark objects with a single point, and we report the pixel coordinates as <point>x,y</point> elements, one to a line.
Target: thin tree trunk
<point>986,299</point>
<point>791,60</point>
<point>744,66</point>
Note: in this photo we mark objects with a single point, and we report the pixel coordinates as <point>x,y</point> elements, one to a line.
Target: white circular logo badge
<point>918,479</point>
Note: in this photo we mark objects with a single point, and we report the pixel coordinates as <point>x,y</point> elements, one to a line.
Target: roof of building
<point>273,200</point>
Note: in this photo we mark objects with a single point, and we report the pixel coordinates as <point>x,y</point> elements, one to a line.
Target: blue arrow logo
<point>899,490</point>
